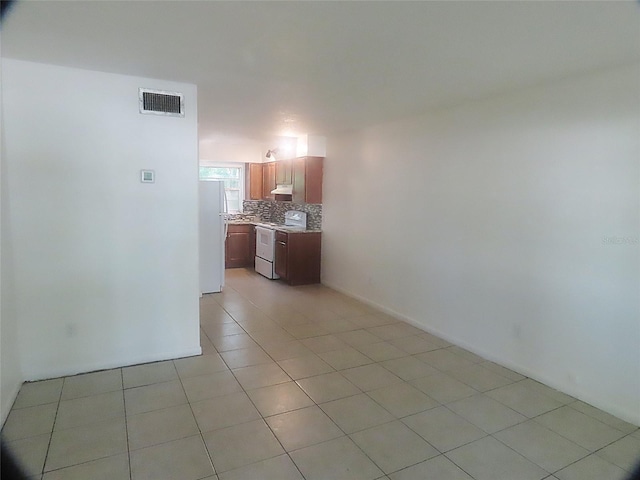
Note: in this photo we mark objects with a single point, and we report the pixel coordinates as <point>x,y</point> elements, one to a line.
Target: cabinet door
<point>281,263</point>
<point>303,258</point>
<point>283,172</point>
<point>269,180</point>
<point>240,247</point>
<point>299,180</point>
<point>313,180</point>
<point>307,179</point>
<point>255,181</point>
<point>252,248</point>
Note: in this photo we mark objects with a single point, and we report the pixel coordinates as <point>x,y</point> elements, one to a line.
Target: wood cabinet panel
<point>255,181</point>
<point>298,257</point>
<point>313,190</point>
<point>269,180</point>
<point>284,172</point>
<point>304,173</point>
<point>307,179</point>
<point>240,246</point>
<point>299,183</point>
<point>281,260</point>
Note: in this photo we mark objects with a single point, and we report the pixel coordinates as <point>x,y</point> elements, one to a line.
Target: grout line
<point>126,424</point>
<point>256,407</point>
<point>346,435</point>
<point>286,452</point>
<point>368,396</point>
<point>334,370</point>
<point>206,449</point>
<point>262,417</point>
<point>55,418</point>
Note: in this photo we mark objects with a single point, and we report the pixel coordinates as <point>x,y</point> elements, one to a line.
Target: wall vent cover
<point>159,102</point>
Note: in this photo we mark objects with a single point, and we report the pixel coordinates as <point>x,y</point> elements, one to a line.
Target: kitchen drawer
<point>281,236</point>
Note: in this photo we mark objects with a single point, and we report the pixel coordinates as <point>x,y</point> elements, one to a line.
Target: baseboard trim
<point>6,406</point>
<point>622,413</point>
<point>94,367</point>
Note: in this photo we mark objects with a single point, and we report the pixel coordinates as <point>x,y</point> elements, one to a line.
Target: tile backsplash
<point>248,216</point>
<point>269,211</point>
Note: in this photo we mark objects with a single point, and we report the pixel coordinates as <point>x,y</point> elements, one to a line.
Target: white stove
<point>295,220</point>
<point>266,241</point>
<point>265,251</point>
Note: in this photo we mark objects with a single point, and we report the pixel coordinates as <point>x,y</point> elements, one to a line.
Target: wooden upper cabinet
<point>298,180</point>
<point>269,180</point>
<point>314,179</point>
<point>284,172</point>
<point>255,181</point>
<point>307,180</point>
<point>304,173</point>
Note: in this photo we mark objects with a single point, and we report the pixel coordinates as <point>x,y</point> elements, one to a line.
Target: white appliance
<point>266,241</point>
<point>213,232</point>
<point>283,190</point>
<point>295,220</point>
<point>265,252</point>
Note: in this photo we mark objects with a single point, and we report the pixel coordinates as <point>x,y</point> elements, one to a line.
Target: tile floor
<point>305,383</point>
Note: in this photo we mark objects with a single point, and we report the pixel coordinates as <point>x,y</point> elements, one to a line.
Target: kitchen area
<point>279,231</point>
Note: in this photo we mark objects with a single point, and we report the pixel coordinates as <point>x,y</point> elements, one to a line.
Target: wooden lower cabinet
<point>280,261</point>
<point>240,246</point>
<point>297,259</point>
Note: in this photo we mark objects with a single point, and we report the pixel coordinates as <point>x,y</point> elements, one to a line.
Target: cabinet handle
<point>281,243</point>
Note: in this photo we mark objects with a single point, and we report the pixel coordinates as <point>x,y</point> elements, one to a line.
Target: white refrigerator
<point>213,233</point>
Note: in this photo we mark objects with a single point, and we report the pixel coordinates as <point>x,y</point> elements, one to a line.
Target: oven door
<point>265,243</point>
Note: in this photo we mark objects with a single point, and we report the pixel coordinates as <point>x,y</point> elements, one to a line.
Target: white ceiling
<point>320,67</point>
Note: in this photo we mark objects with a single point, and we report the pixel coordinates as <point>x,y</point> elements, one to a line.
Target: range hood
<point>283,190</point>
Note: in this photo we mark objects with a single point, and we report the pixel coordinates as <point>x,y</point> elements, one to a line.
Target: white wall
<point>311,145</point>
<point>231,150</point>
<point>10,371</point>
<point>105,268</point>
<point>491,224</point>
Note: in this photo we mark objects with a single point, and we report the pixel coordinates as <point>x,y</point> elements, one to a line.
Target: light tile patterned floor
<point>306,383</point>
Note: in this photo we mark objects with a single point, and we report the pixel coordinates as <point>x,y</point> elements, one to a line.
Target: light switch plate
<point>147,176</point>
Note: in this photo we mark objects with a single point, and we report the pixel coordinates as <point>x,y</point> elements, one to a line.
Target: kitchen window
<point>232,174</point>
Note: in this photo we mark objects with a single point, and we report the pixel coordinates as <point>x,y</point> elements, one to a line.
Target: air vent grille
<point>158,102</point>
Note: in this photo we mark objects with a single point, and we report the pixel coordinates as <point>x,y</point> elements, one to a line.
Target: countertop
<point>273,226</point>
